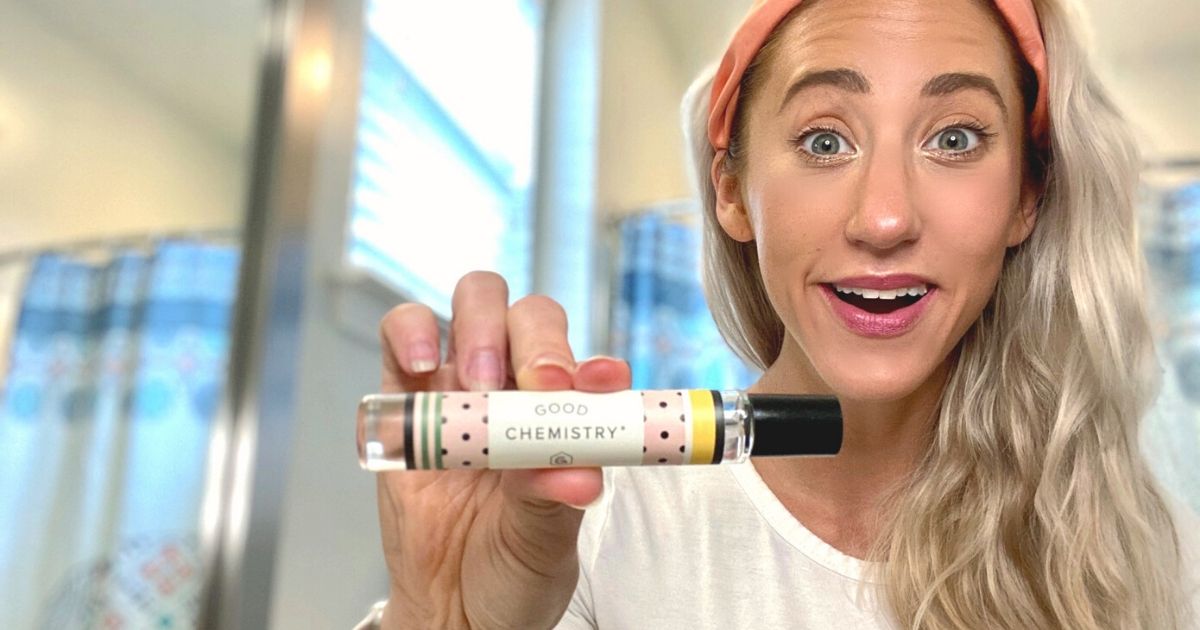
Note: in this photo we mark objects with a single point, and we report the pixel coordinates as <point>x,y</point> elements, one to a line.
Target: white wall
<point>1161,98</point>
<point>86,153</point>
<point>1148,54</point>
<point>641,158</point>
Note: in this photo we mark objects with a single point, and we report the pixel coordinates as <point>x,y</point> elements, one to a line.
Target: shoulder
<point>637,498</point>
<point>641,479</point>
<point>657,488</point>
<point>712,529</point>
<point>663,492</point>
<point>656,494</point>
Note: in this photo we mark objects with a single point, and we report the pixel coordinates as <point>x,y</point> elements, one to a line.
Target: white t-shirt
<point>712,547</point>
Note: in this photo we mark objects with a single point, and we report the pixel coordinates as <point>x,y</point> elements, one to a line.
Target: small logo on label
<point>561,459</point>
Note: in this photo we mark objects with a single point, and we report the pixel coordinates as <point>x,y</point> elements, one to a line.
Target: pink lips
<point>879,325</point>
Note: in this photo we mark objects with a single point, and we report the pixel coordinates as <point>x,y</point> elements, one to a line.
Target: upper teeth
<point>890,294</point>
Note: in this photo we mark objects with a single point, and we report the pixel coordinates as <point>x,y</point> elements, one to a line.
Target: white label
<point>548,429</point>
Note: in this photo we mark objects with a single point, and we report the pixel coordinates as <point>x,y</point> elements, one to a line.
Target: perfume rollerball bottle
<point>521,429</point>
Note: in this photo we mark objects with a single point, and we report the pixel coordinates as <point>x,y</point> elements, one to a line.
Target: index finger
<point>409,341</point>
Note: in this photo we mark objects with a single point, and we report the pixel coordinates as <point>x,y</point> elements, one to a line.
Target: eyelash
<point>799,139</point>
<point>984,133</point>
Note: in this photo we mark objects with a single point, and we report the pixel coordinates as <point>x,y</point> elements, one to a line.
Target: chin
<point>876,381</point>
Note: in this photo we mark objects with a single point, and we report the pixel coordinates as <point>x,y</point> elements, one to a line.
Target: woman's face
<point>882,184</point>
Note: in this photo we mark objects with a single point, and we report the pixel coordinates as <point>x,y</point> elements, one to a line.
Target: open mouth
<point>880,302</point>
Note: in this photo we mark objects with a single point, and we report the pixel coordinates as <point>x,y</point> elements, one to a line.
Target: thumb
<point>543,489</point>
<point>537,522</point>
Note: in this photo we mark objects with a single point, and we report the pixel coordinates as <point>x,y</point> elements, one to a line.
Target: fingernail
<point>605,357</point>
<point>550,360</point>
<point>422,357</point>
<point>546,372</point>
<point>595,502</point>
<point>483,372</point>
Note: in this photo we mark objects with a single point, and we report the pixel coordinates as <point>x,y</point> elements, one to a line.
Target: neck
<point>882,443</point>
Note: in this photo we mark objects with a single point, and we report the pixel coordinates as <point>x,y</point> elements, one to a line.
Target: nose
<point>884,216</point>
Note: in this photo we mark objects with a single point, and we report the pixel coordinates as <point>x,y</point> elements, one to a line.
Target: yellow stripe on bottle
<point>704,426</point>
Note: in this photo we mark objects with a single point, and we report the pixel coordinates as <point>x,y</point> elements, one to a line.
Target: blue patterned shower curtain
<point>115,374</point>
<point>660,322</point>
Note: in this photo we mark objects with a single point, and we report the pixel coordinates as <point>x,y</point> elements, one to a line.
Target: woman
<point>924,208</point>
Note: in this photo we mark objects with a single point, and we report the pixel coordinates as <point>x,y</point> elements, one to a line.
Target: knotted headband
<point>765,15</point>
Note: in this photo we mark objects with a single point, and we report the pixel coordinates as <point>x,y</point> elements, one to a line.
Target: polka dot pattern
<point>665,424</point>
<point>462,424</point>
<point>464,432</point>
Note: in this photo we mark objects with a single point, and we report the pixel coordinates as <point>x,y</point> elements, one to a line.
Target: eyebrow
<point>843,79</point>
<point>854,82</point>
<point>952,82</point>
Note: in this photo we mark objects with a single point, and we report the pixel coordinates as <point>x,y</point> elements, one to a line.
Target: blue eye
<point>954,140</point>
<point>824,143</point>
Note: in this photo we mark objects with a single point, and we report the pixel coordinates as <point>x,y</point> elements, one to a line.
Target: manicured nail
<point>547,371</point>
<point>483,372</point>
<point>605,357</point>
<point>422,357</point>
<point>595,502</point>
<point>552,360</point>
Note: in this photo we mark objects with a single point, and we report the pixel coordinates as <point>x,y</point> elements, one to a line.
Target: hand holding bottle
<point>485,548</point>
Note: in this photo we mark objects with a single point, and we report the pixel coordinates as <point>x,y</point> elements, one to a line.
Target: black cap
<point>795,425</point>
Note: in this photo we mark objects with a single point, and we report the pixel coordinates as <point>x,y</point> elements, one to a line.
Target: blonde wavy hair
<point>1032,507</point>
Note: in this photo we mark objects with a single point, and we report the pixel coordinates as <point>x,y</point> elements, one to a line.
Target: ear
<point>731,211</point>
<point>1026,215</point>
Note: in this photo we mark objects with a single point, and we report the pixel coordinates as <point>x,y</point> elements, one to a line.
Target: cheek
<point>795,216</point>
<point>966,224</point>
<point>794,226</point>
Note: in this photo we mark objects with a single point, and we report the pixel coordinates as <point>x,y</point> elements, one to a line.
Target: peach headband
<point>765,15</point>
